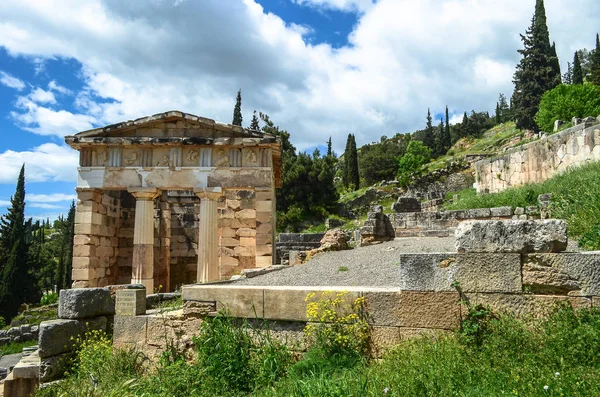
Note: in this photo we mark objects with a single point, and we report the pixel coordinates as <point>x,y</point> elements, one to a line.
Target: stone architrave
<point>142,269</point>
<point>208,257</point>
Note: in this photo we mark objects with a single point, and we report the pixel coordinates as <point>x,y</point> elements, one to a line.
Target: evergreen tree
<point>345,174</point>
<point>503,108</point>
<point>447,141</point>
<point>465,128</point>
<point>17,284</point>
<point>237,110</point>
<point>498,117</point>
<point>429,136</point>
<point>555,63</point>
<point>577,72</point>
<point>65,260</point>
<point>595,64</point>
<point>351,163</point>
<point>439,140</point>
<point>254,123</point>
<point>568,75</point>
<point>329,148</point>
<point>535,72</point>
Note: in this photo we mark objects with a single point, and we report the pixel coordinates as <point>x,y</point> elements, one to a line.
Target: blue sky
<point>319,68</point>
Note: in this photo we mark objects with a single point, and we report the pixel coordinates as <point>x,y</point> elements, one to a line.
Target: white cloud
<point>50,198</point>
<point>54,86</point>
<point>11,81</point>
<point>44,206</point>
<point>45,163</point>
<point>404,56</point>
<point>40,96</point>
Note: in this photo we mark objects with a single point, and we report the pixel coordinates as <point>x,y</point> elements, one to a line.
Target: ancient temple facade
<point>173,199</point>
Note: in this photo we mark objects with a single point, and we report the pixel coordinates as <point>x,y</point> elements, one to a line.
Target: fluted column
<point>208,254</point>
<point>142,267</point>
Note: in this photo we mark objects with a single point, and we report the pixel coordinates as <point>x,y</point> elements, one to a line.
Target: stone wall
<point>296,242</point>
<point>540,160</point>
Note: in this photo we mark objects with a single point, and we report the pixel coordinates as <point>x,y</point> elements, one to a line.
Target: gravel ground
<point>372,266</point>
<point>10,360</point>
<point>375,265</point>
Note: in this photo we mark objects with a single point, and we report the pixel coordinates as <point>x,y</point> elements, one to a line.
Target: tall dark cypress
<point>498,114</point>
<point>353,173</point>
<point>237,110</point>
<point>345,168</point>
<point>254,123</point>
<point>17,284</point>
<point>329,148</point>
<point>429,136</point>
<point>555,63</point>
<point>67,280</point>
<point>577,72</point>
<point>535,72</point>
<point>447,141</point>
<point>595,67</point>
<point>568,75</point>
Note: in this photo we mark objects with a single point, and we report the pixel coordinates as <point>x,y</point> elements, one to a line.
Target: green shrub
<point>591,239</point>
<point>49,299</point>
<point>567,101</point>
<point>2,322</point>
<point>410,165</point>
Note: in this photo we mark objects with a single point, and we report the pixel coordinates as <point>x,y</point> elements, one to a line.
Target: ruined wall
<point>540,160</point>
<point>96,241</point>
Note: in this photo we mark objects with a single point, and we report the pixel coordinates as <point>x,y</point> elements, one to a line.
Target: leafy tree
<point>17,283</point>
<point>577,72</point>
<point>237,110</point>
<point>535,72</point>
<point>379,161</point>
<point>410,165</point>
<point>566,101</point>
<point>568,75</point>
<point>595,63</point>
<point>254,123</point>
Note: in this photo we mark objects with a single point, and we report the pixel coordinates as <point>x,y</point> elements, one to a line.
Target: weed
<point>343,269</point>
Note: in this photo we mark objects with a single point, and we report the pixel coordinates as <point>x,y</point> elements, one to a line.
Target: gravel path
<point>372,266</point>
<point>375,265</point>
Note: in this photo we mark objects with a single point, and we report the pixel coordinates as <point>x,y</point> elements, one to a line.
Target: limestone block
<point>52,368</point>
<point>264,228</point>
<point>475,272</point>
<point>525,305</point>
<point>229,242</point>
<point>246,232</point>
<point>84,303</point>
<point>248,241</point>
<point>245,251</point>
<point>501,211</point>
<point>263,261</point>
<point>80,274</point>
<point>413,309</point>
<point>129,329</point>
<point>264,195</point>
<point>264,206</point>
<point>130,302</point>
<point>479,213</point>
<point>264,217</point>
<point>576,274</point>
<point>57,336</point>
<point>247,262</point>
<point>521,236</point>
<point>228,232</point>
<point>233,204</point>
<point>246,214</point>
<point>94,324</point>
<point>262,239</point>
<point>240,301</point>
<point>266,249</point>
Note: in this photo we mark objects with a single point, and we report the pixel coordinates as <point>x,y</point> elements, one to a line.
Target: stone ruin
<point>172,199</point>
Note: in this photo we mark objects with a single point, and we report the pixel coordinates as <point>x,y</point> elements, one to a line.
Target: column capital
<point>144,193</point>
<point>209,193</point>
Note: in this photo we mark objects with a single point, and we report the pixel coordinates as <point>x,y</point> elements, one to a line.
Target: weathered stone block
<point>479,213</point>
<point>474,272</point>
<point>240,301</point>
<point>129,329</point>
<point>525,305</point>
<point>130,302</point>
<point>52,368</point>
<point>501,211</point>
<point>521,236</point>
<point>84,303</point>
<point>58,336</point>
<point>576,274</point>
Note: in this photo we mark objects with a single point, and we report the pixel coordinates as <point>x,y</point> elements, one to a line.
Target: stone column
<point>208,250</point>
<point>142,268</point>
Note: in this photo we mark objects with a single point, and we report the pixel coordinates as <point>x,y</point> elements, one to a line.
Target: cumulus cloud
<point>11,81</point>
<point>40,96</point>
<point>45,163</point>
<point>403,57</point>
<point>43,120</point>
<point>54,86</point>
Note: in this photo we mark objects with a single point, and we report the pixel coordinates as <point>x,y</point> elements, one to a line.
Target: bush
<point>49,299</point>
<point>591,239</point>
<point>567,101</point>
<point>410,165</point>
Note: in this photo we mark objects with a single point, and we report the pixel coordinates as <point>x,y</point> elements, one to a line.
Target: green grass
<point>16,347</point>
<point>576,198</point>
<point>343,269</point>
<point>556,356</point>
<point>35,316</point>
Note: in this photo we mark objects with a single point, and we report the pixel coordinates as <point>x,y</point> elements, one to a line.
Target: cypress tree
<point>329,148</point>
<point>595,67</point>
<point>254,123</point>
<point>17,284</point>
<point>447,141</point>
<point>237,110</point>
<point>535,72</point>
<point>353,173</point>
<point>345,168</point>
<point>465,125</point>
<point>429,137</point>
<point>498,116</point>
<point>555,63</point>
<point>568,75</point>
<point>577,72</point>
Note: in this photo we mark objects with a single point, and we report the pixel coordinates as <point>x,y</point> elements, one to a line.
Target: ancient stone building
<point>172,199</point>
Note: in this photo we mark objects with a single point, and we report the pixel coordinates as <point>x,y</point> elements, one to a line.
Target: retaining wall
<point>540,160</point>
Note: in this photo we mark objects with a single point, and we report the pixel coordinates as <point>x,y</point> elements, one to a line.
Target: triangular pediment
<point>172,124</point>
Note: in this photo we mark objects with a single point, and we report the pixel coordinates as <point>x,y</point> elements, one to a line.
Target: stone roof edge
<point>172,114</point>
